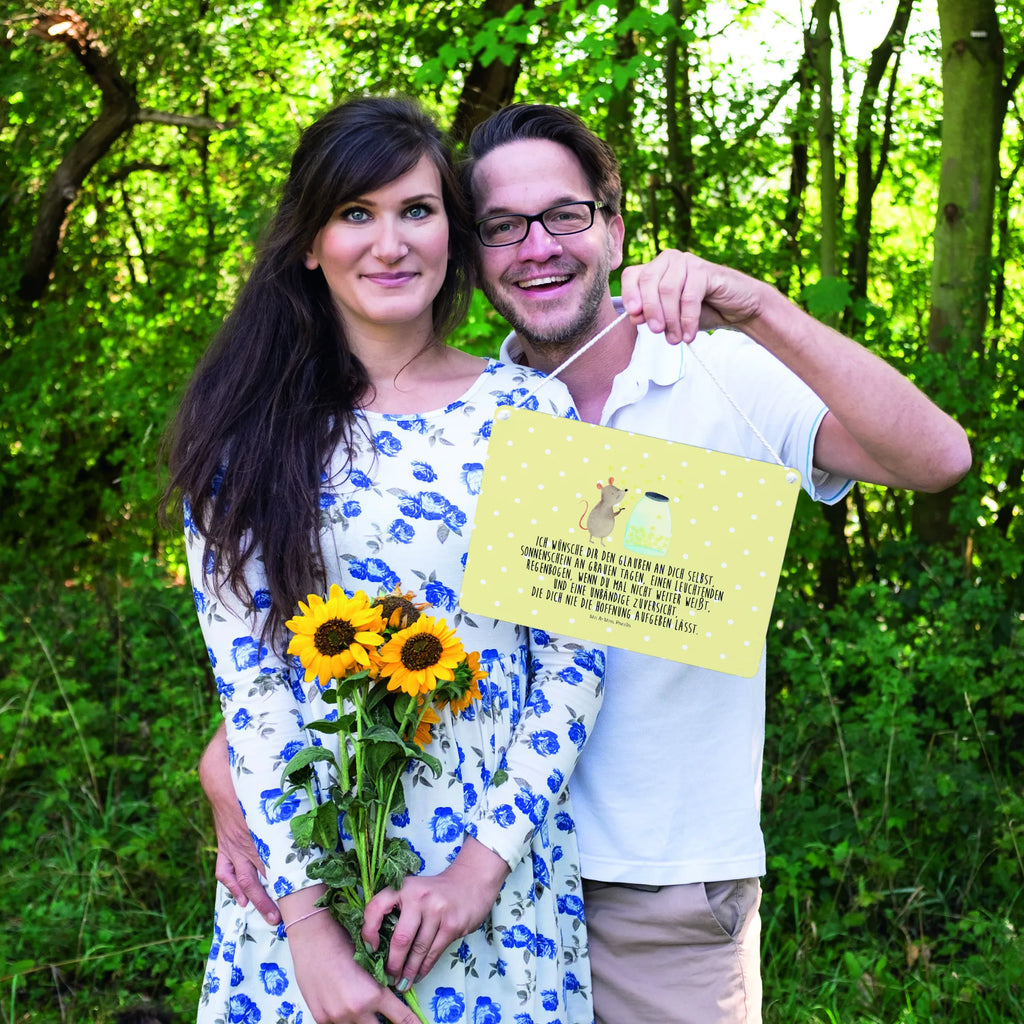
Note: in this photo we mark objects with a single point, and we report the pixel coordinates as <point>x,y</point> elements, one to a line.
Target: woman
<point>330,436</point>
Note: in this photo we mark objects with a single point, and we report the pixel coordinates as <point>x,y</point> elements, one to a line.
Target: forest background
<point>865,157</point>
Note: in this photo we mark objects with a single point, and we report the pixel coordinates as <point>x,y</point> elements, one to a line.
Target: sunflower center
<point>391,603</point>
<point>421,651</point>
<point>334,636</point>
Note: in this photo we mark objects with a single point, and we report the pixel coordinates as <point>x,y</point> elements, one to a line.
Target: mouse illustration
<point>601,520</point>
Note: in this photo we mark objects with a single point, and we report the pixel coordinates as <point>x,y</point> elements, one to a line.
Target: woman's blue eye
<point>419,211</point>
<point>354,214</point>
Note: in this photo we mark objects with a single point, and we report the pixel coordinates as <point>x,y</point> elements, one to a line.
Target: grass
<point>893,821</point>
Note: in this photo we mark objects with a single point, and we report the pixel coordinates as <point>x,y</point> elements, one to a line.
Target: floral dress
<point>401,516</point>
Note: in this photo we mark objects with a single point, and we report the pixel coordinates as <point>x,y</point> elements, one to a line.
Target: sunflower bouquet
<point>390,669</point>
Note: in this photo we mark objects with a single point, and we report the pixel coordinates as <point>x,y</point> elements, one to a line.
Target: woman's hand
<point>336,989</point>
<point>435,910</point>
<point>238,865</point>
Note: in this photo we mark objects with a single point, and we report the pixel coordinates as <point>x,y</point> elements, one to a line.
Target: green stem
<point>409,717</point>
<point>359,836</point>
<point>414,1004</point>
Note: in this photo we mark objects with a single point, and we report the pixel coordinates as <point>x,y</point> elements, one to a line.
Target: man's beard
<point>566,337</point>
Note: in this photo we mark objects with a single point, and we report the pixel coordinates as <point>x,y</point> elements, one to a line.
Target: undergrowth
<point>893,807</point>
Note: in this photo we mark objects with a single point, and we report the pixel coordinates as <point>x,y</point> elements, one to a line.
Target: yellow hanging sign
<point>630,541</point>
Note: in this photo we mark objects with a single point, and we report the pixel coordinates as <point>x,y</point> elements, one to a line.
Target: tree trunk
<point>487,89</point>
<point>679,133</point>
<point>869,171</point>
<point>973,107</point>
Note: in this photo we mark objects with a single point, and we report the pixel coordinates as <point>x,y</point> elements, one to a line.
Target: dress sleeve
<point>265,709</point>
<point>564,696</point>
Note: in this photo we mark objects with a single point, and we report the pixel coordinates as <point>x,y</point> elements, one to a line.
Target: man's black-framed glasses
<point>563,219</point>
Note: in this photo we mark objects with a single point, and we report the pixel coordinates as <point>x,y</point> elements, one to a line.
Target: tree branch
<point>119,112</point>
<point>206,124</point>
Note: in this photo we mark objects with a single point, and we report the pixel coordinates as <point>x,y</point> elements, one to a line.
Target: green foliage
<point>104,838</point>
<point>894,827</point>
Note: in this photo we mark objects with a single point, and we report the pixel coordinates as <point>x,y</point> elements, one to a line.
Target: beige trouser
<point>675,954</point>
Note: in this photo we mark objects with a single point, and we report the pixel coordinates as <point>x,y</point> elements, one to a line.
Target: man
<point>667,790</point>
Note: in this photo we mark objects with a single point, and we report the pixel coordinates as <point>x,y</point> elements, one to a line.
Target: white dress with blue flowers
<point>402,516</point>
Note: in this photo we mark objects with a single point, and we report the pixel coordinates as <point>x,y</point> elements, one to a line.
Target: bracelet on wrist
<point>305,917</point>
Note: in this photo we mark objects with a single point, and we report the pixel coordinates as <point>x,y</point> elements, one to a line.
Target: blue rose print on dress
<point>555,781</point>
<point>441,596</point>
<point>357,478</point>
<point>448,1005</point>
<point>241,718</point>
<point>564,822</point>
<point>273,811</point>
<point>573,676</point>
<point>218,937</point>
<point>541,875</point>
<point>538,702</point>
<point>472,476</point>
<point>539,637</point>
<point>261,600</point>
<point>401,531</point>
<point>237,977</point>
<point>282,887</point>
<point>247,652</point>
<point>387,444</point>
<point>484,433</point>
<point>546,948</point>
<point>227,952</point>
<point>433,505</point>
<point>351,509</point>
<point>242,1010</point>
<point>454,518</point>
<point>446,825</point>
<point>199,599</point>
<point>578,734</point>
<point>414,424</point>
<point>289,750</point>
<point>504,815</point>
<point>545,742</point>
<point>327,500</point>
<point>486,1011</point>
<point>261,847</point>
<point>533,805</point>
<point>519,937</point>
<point>549,999</point>
<point>589,660</point>
<point>424,472</point>
<point>274,979</point>
<point>374,570</point>
<point>571,905</point>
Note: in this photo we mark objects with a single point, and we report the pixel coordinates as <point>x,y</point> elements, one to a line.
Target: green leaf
<point>325,828</point>
<point>297,770</point>
<point>302,828</point>
<point>828,297</point>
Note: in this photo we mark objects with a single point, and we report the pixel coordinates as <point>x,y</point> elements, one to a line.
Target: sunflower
<point>332,636</point>
<point>423,733</point>
<point>417,657</point>
<point>472,691</point>
<point>399,610</point>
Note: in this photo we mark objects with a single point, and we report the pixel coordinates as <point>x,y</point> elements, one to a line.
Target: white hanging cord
<point>692,351</point>
<point>732,402</point>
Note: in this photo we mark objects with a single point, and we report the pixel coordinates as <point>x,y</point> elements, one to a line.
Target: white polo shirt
<point>668,788</point>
